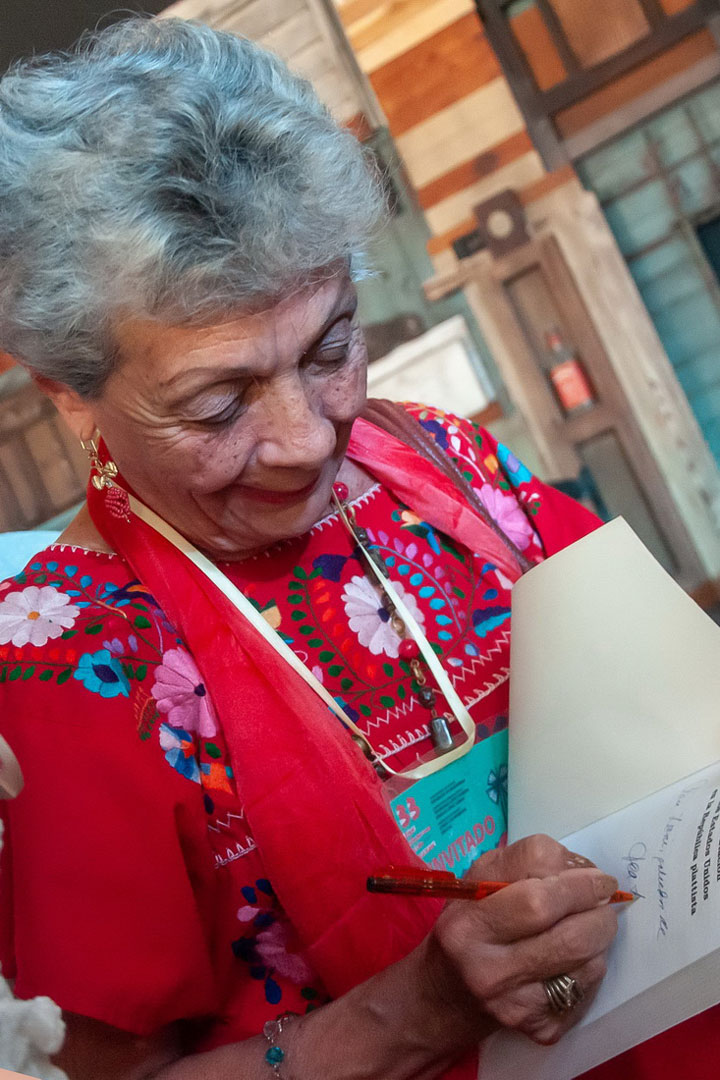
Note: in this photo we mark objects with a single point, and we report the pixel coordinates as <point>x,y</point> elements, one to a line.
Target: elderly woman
<point>279,609</point>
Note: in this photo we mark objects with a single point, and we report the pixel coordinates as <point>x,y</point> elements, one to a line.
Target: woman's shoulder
<point>61,590</point>
<point>78,619</point>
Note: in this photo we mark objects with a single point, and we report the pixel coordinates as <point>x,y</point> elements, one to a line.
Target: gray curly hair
<point>168,170</point>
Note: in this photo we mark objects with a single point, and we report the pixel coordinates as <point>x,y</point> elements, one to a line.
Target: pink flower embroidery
<point>505,510</point>
<point>370,621</point>
<point>272,950</point>
<point>181,695</point>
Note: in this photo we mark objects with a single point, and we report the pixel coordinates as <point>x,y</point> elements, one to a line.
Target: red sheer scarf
<point>314,804</point>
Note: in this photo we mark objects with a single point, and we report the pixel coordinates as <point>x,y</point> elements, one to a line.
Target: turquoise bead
<point>274,1056</point>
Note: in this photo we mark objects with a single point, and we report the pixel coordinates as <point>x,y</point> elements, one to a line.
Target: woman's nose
<point>295,434</point>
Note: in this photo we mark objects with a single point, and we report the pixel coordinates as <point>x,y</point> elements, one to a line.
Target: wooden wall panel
<point>455,209</point>
<point>601,28</point>
<point>395,26</point>
<point>453,63</point>
<point>470,126</point>
<point>673,6</point>
<point>646,77</point>
<point>534,38</point>
<point>478,167</point>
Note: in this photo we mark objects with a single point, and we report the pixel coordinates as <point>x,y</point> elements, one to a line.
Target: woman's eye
<point>331,354</point>
<point>219,416</point>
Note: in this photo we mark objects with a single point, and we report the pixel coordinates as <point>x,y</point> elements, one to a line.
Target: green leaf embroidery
<point>315,642</point>
<point>388,702</point>
<point>326,655</point>
<point>305,630</point>
<point>212,750</point>
<point>66,634</point>
<point>64,676</point>
<point>15,673</point>
<point>28,672</point>
<point>298,615</point>
<point>142,623</point>
<point>401,692</point>
<point>46,676</point>
<point>3,673</point>
<point>294,585</point>
<point>300,573</point>
<point>298,599</point>
<point>365,710</point>
<point>94,629</point>
<point>335,670</point>
<point>346,683</point>
<point>141,671</point>
<point>389,670</point>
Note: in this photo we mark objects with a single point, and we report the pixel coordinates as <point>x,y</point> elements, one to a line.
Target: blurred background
<point>552,263</point>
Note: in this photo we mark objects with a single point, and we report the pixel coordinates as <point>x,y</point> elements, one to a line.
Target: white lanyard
<point>243,605</point>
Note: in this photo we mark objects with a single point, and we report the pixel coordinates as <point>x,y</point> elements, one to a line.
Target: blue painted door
<point>659,186</point>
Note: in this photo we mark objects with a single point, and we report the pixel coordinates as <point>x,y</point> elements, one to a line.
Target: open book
<point>615,747</point>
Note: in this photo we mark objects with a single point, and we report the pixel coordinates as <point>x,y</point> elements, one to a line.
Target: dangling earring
<point>104,473</point>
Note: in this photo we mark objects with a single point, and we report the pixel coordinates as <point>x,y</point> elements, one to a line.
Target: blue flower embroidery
<point>179,747</point>
<point>101,673</point>
<point>517,473</point>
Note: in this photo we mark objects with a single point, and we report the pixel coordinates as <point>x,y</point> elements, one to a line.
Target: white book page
<point>666,850</point>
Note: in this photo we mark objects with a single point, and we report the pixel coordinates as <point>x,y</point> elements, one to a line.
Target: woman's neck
<point>81,532</point>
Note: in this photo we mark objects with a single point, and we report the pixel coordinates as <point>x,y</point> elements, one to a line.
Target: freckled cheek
<point>344,395</point>
<point>208,465</point>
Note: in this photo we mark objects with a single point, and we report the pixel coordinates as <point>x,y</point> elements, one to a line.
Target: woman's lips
<point>278,498</point>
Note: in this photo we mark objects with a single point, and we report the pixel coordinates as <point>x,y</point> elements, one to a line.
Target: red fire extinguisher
<point>567,375</point>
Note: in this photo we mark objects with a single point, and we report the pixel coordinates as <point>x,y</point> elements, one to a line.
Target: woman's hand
<point>492,956</point>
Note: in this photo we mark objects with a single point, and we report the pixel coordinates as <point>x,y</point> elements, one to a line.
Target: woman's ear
<point>77,412</point>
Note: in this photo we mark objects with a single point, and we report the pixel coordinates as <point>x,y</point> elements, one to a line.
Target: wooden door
<point>659,187</point>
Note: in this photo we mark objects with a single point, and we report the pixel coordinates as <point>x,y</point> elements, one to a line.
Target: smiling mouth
<point>277,498</point>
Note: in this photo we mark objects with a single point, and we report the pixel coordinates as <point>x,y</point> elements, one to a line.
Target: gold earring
<point>104,472</point>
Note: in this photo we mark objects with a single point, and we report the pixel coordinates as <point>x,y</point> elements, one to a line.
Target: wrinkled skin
<point>235,432</point>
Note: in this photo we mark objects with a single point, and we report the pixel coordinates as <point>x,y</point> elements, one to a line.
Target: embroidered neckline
<point>78,547</point>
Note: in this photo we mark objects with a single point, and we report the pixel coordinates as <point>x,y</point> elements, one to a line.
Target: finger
<point>527,908</point>
<point>577,862</point>
<point>550,1025</point>
<point>534,856</point>
<point>569,944</point>
<point>526,1007</point>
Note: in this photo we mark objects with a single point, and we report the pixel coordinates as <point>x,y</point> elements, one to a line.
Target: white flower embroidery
<point>369,620</point>
<point>34,615</point>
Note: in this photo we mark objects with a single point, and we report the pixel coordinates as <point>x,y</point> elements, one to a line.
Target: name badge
<point>453,816</point>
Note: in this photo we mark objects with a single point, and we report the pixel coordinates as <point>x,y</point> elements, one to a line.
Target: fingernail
<point>604,885</point>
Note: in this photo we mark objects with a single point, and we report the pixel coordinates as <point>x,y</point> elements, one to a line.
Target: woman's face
<point>234,433</point>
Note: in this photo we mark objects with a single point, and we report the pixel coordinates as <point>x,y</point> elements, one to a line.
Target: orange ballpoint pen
<point>414,881</point>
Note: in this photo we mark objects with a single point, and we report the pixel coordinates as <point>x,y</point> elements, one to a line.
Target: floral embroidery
<point>369,619</point>
<point>505,510</point>
<point>181,695</point>
<point>516,471</point>
<point>102,674</point>
<point>179,747</point>
<point>35,615</point>
<point>265,944</point>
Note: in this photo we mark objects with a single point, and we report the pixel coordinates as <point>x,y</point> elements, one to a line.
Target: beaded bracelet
<point>272,1030</point>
